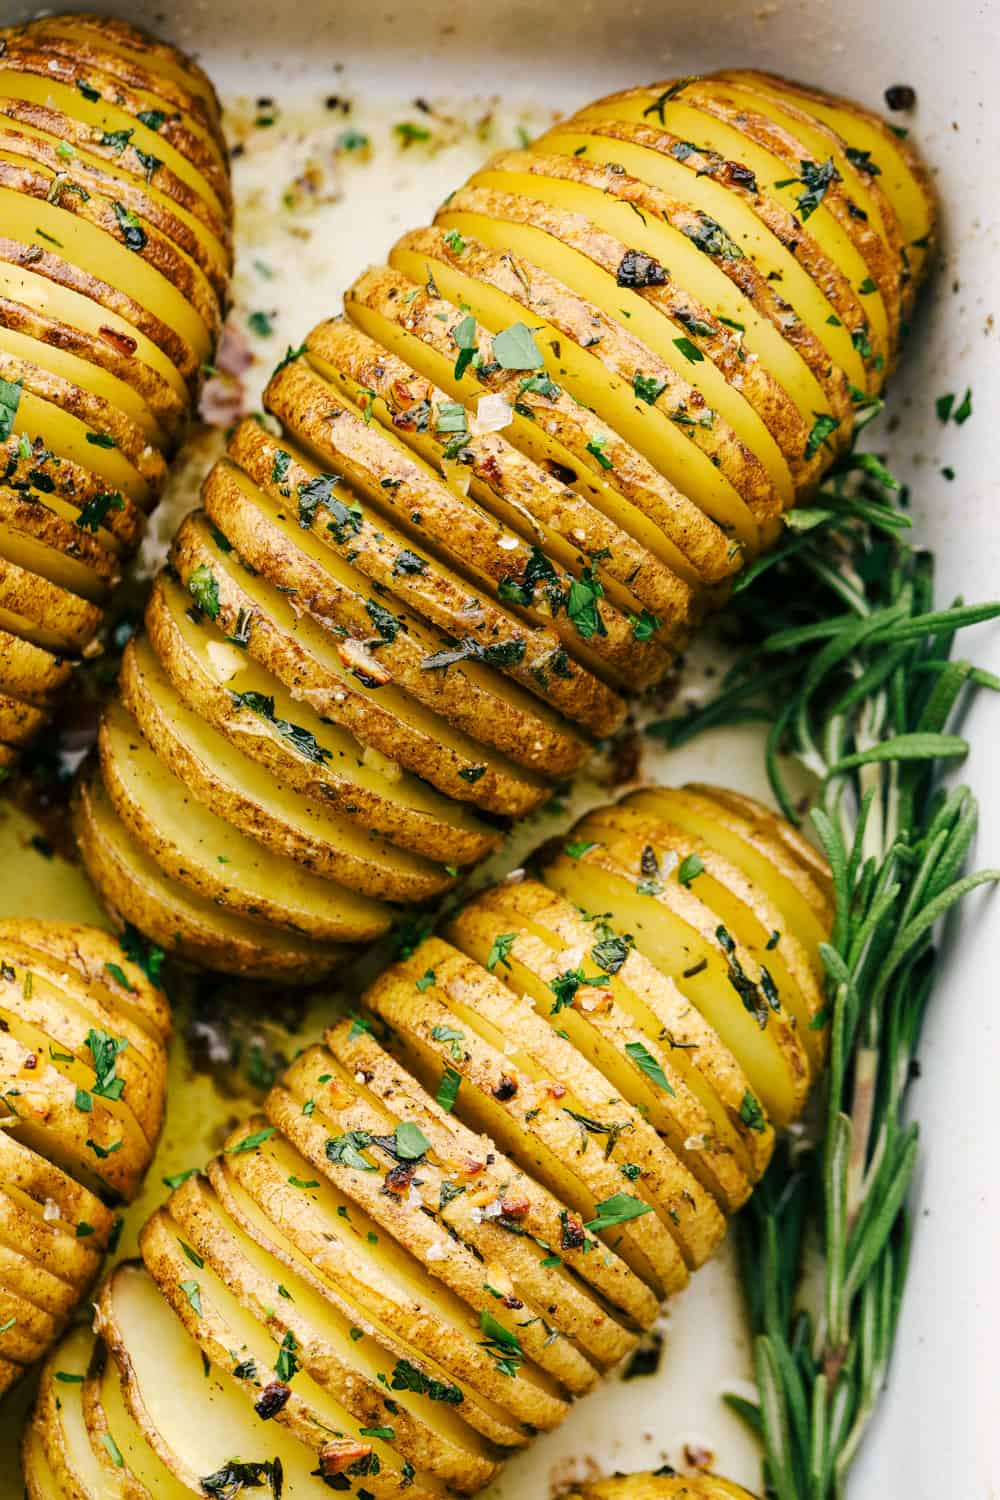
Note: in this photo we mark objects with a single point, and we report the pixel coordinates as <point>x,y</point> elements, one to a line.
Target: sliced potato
<point>43,613</point>
<point>30,672</point>
<point>304,657</point>
<point>251,708</point>
<point>660,1485</point>
<point>192,927</point>
<point>214,858</point>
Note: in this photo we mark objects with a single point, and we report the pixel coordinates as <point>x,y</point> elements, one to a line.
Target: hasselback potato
<point>502,489</point>
<point>663,1484</point>
<point>468,1201</point>
<point>83,1035</point>
<point>115,257</point>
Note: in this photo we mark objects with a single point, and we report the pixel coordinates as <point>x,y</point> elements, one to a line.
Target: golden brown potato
<point>505,487</point>
<point>664,1484</point>
<point>114,271</point>
<point>464,1205</point>
<point>83,1034</point>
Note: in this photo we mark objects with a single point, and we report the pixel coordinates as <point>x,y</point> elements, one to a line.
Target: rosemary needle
<point>847,640</point>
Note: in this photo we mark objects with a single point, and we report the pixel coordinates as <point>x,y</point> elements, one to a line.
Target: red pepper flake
<point>272,1399</point>
<point>399,1179</point>
<point>505,1089</point>
<point>514,1205</point>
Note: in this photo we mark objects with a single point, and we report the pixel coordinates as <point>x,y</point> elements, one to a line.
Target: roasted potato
<point>464,1206</point>
<point>506,485</point>
<point>663,1484</point>
<point>114,271</point>
<point>83,1034</point>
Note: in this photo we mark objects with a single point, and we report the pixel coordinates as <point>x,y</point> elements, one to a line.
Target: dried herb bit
<point>823,427</point>
<point>612,1132</point>
<point>132,231</point>
<point>582,604</point>
<point>499,949</point>
<point>501,654</point>
<point>302,740</point>
<point>316,492</point>
<point>514,348</point>
<point>235,1476</point>
<point>10,400</point>
<point>93,512</point>
<point>538,573</point>
<point>501,1343</point>
<point>748,991</point>
<point>618,1209</point>
<point>572,1235</point>
<point>611,952</point>
<point>647,388</point>
<point>752,1114</point>
<point>710,237</point>
<point>644,1060</point>
<point>87,90</point>
<point>656,108</point>
<point>346,1150</point>
<point>407,1377</point>
<point>203,586</point>
<point>816,178</point>
<point>636,270</point>
<point>153,119</point>
<point>691,866</point>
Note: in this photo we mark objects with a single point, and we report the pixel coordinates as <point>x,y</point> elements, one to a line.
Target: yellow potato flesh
<point>657,330</point>
<point>675,948</point>
<point>691,124</point>
<point>41,1483</point>
<point>66,435</point>
<point>88,377</point>
<point>73,1358</point>
<point>157,61</point>
<point>64,305</point>
<point>49,563</point>
<point>141,1459</point>
<point>107,117</point>
<point>649,431</point>
<point>744,229</point>
<point>96,251</point>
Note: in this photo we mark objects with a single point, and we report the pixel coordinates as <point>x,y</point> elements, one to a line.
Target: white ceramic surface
<point>936,1434</point>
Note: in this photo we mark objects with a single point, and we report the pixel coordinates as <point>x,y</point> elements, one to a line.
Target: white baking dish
<point>936,1433</point>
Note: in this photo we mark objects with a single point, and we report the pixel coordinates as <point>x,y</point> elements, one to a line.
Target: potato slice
<point>383,1188</point>
<point>548,516</point>
<point>59,1421</point>
<point>388,1292</point>
<point>80,1021</point>
<point>408,319</point>
<point>660,1485</point>
<point>782,832</point>
<point>744,909</point>
<point>30,672</point>
<point>251,709</point>
<point>114,1434</point>
<point>663,316</point>
<point>273,1387</point>
<point>467,692</point>
<point>236,790</point>
<point>507,1093</point>
<point>377,465</point>
<point>44,1214</point>
<point>19,721</point>
<point>43,613</point>
<point>160,1365</point>
<point>302,655</point>
<point>25,1278</point>
<point>214,858</point>
<point>551,941</point>
<point>38,539</point>
<point>577,1289</point>
<point>682,937</point>
<point>335,1352</point>
<point>703,462</point>
<point>749,835</point>
<point>192,927</point>
<point>714,244</point>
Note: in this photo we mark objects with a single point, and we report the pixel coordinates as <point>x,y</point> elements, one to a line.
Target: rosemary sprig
<point>852,666</point>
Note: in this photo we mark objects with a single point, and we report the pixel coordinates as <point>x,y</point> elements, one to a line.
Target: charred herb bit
<point>346,1150</point>
<point>272,1399</point>
<point>313,493</point>
<point>235,1476</point>
<point>407,1377</point>
<point>748,991</point>
<point>648,388</point>
<point>117,140</point>
<point>816,178</point>
<point>150,163</point>
<point>501,1343</point>
<point>203,586</point>
<point>538,573</point>
<point>408,562</point>
<point>612,1133</point>
<point>500,654</point>
<point>132,231</point>
<point>87,90</point>
<point>900,96</point>
<point>10,400</point>
<point>644,1060</point>
<point>620,1208</point>
<point>505,1089</point>
<point>153,119</point>
<point>472,774</point>
<point>710,237</point>
<point>823,427</point>
<point>646,1359</point>
<point>611,952</point>
<point>637,270</point>
<point>302,740</point>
